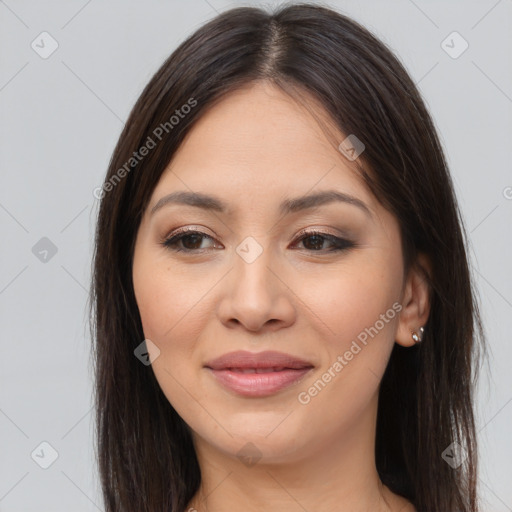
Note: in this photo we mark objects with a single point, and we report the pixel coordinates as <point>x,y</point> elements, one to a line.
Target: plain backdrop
<point>61,114</point>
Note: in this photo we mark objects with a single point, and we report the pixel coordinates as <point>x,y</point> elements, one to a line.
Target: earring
<point>417,337</point>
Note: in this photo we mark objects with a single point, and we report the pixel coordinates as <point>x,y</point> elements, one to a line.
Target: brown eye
<point>314,241</point>
<point>189,241</point>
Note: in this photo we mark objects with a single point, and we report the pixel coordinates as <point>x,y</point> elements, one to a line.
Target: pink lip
<point>258,374</point>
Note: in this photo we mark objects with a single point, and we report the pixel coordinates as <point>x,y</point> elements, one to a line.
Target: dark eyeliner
<point>339,244</point>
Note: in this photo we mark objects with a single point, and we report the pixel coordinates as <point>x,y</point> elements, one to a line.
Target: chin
<point>271,438</point>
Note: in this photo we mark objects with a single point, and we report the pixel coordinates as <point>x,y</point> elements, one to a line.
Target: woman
<point>283,312</point>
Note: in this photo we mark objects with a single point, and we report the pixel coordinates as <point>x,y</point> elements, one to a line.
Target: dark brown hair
<point>145,453</point>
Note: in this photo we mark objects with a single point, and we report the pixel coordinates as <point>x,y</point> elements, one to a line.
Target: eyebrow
<point>207,202</point>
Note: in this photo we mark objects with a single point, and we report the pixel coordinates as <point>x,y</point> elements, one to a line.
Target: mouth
<point>258,374</point>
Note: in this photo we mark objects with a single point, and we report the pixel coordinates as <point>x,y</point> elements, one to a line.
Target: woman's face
<point>289,253</point>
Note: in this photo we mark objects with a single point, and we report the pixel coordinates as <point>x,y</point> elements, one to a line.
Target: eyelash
<point>340,244</point>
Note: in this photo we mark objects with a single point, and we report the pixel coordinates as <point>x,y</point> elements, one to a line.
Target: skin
<point>252,150</point>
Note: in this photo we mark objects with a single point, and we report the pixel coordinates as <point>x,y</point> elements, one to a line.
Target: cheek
<point>349,300</point>
<point>169,301</point>
<point>358,308</point>
<point>174,314</point>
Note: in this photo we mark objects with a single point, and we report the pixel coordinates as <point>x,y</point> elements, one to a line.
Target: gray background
<point>60,119</point>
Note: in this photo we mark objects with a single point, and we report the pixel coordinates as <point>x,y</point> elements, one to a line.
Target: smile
<point>258,374</point>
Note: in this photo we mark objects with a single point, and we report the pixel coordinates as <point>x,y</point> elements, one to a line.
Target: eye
<point>314,241</point>
<point>189,240</point>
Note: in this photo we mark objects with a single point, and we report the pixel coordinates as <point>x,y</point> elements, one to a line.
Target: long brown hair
<point>146,458</point>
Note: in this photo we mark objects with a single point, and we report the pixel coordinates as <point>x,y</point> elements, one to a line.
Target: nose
<point>256,297</point>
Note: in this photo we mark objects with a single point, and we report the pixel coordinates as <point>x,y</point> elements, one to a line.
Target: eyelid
<point>194,228</point>
<point>311,230</point>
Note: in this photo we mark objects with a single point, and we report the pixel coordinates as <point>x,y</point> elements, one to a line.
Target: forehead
<point>259,141</point>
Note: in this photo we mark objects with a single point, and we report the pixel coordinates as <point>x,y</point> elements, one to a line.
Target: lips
<point>258,374</point>
<point>257,370</point>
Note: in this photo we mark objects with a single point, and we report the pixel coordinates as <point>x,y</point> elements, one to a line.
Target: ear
<point>415,301</point>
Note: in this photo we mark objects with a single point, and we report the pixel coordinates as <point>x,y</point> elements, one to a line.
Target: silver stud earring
<point>417,337</point>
